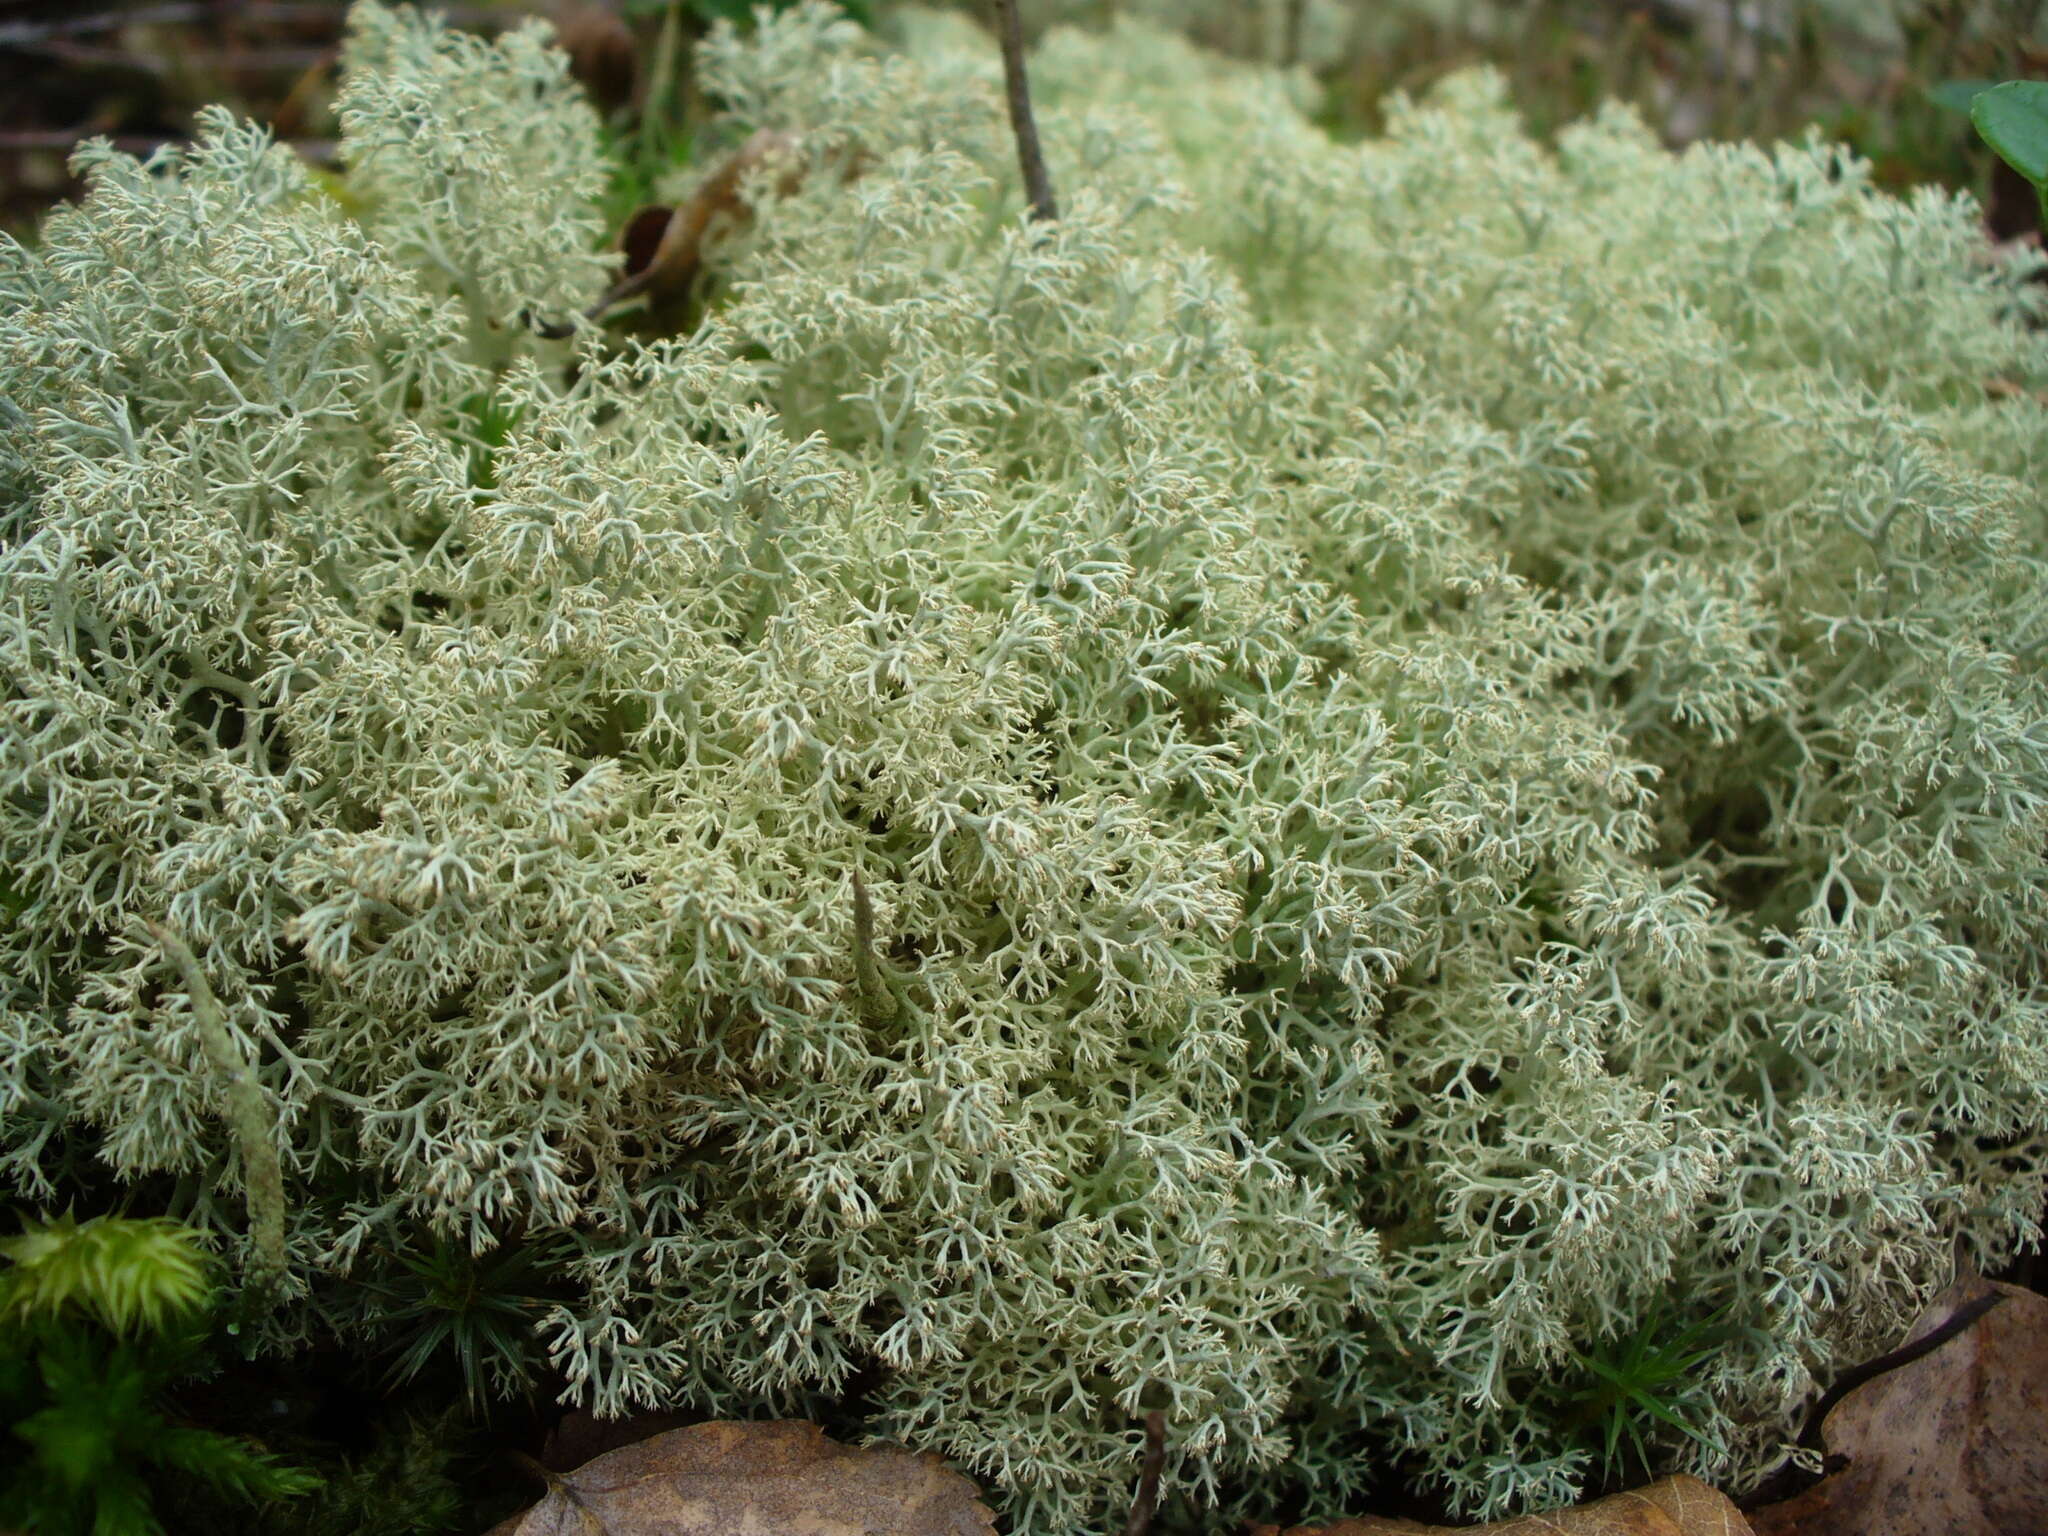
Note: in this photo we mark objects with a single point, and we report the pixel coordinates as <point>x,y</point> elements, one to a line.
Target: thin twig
<point>1290,50</point>
<point>1037,185</point>
<point>876,1006</point>
<point>1148,1475</point>
<point>292,112</point>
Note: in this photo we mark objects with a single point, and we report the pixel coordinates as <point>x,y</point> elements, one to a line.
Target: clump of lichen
<point>1345,773</point>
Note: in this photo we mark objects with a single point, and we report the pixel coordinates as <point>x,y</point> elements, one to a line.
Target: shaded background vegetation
<point>1883,75</point>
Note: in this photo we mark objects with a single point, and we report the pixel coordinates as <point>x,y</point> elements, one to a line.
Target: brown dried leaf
<point>640,239</point>
<point>739,1479</point>
<point>1954,1443</point>
<point>664,248</point>
<point>1672,1506</point>
<point>2001,388</point>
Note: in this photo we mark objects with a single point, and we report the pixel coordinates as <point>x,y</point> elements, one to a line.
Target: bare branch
<point>1148,1475</point>
<point>1037,185</point>
<point>1290,48</point>
<point>876,1005</point>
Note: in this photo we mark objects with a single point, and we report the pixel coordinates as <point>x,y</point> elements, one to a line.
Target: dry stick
<point>1290,48</point>
<point>1148,1475</point>
<point>112,18</point>
<point>1788,1480</point>
<point>292,112</point>
<point>876,1005</point>
<point>1037,185</point>
<point>90,55</point>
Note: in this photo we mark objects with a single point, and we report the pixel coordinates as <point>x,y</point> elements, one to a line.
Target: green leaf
<point>2014,121</point>
<point>1609,1373</point>
<point>1956,95</point>
<point>1657,1409</point>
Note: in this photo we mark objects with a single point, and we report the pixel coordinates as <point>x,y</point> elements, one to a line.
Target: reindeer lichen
<point>1289,798</point>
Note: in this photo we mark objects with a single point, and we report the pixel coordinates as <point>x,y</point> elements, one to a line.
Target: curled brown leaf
<point>1952,1441</point>
<point>664,248</point>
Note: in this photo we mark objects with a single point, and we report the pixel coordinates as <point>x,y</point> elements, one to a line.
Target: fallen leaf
<point>1672,1506</point>
<point>1953,1443</point>
<point>743,1479</point>
<point>665,246</point>
<point>2001,388</point>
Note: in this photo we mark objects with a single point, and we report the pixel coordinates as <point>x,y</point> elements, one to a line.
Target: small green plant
<point>1650,1378</point>
<point>446,1305</point>
<point>129,1276</point>
<point>97,1319</point>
